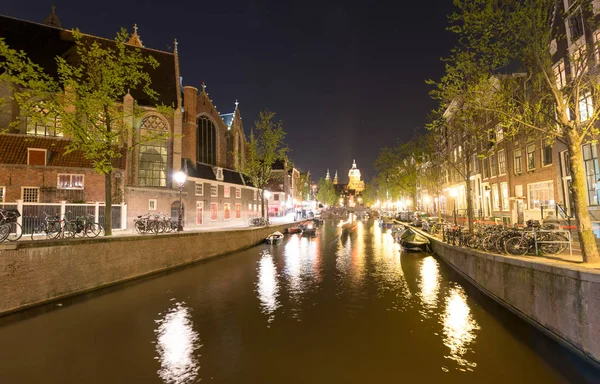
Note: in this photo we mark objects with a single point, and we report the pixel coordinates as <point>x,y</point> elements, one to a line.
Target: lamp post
<point>180,178</point>
<point>267,195</point>
<point>454,193</point>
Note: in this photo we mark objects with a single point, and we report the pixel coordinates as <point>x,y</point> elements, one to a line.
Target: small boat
<point>296,229</point>
<point>274,238</point>
<point>310,230</point>
<point>413,240</point>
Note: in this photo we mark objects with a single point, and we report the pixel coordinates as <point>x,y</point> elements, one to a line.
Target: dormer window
<point>219,173</point>
<point>37,156</point>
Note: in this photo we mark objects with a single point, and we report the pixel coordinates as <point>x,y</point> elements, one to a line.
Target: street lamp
<point>454,193</point>
<point>267,196</point>
<point>180,178</point>
<point>427,200</point>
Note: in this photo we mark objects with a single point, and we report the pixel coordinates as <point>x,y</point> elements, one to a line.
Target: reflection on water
<point>459,327</point>
<point>430,283</point>
<point>267,286</point>
<point>176,343</point>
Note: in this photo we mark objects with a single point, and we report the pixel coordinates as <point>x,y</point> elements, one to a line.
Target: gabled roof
<point>13,150</point>
<point>43,43</point>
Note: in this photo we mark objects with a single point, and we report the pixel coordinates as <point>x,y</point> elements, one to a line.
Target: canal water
<point>335,308</point>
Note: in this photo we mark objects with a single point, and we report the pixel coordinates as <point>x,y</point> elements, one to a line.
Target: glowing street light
<point>454,193</point>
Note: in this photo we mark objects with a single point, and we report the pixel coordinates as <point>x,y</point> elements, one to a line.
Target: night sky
<point>346,77</point>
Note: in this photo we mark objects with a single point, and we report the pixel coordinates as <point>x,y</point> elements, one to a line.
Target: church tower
<point>327,176</point>
<point>355,182</point>
<point>335,179</point>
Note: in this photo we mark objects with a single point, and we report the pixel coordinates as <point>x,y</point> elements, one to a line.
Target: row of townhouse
<point>515,179</point>
<point>208,146</point>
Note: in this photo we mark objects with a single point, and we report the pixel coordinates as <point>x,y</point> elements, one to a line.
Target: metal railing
<point>32,214</point>
<point>557,231</point>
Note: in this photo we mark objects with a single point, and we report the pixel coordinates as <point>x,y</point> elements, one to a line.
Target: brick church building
<point>208,146</point>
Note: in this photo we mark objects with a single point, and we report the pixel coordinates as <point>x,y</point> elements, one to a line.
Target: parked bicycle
<point>11,229</point>
<point>258,222</point>
<point>49,228</point>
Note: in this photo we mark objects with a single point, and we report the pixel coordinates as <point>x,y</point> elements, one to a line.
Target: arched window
<point>206,145</point>
<point>152,170</point>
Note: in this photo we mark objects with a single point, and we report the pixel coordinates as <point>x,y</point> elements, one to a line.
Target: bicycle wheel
<point>92,229</point>
<point>15,231</point>
<point>68,230</point>
<point>40,232</point>
<point>53,230</point>
<point>517,246</point>
<point>4,231</point>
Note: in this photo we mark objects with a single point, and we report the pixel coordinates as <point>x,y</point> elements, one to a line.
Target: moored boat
<point>274,238</point>
<point>413,240</point>
<point>296,229</point>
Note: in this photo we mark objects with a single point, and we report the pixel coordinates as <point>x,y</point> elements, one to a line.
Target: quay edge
<point>33,273</point>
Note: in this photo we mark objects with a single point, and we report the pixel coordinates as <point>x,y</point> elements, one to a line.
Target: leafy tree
<point>543,102</point>
<point>264,148</point>
<point>87,97</point>
<point>326,193</point>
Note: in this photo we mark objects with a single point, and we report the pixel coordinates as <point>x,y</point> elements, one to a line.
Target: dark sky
<point>346,77</point>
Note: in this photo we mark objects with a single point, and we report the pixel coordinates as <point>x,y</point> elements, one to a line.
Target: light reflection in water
<point>459,327</point>
<point>430,282</point>
<point>267,286</point>
<point>176,343</point>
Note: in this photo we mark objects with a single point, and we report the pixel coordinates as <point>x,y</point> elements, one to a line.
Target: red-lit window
<point>238,211</point>
<point>227,211</point>
<point>68,181</point>
<point>214,211</point>
<point>199,212</point>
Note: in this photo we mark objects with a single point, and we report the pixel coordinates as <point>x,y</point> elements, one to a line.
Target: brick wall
<point>13,177</point>
<point>37,272</point>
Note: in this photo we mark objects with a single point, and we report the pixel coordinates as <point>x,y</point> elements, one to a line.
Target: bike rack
<point>562,231</point>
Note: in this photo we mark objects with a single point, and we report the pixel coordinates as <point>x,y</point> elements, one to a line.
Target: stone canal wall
<point>561,300</point>
<point>36,272</point>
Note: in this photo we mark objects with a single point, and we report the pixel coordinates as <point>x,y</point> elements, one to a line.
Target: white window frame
<point>495,197</point>
<point>23,194</point>
<point>214,190</point>
<point>200,205</point>
<point>543,146</point>
<point>238,193</point>
<point>560,72</point>
<point>586,106</point>
<point>505,199</point>
<point>38,149</point>
<point>531,203</point>
<point>501,169</point>
<point>71,181</point>
<point>227,192</point>
<point>499,133</point>
<point>527,152</point>
<point>219,174</point>
<point>199,188</point>
<point>152,204</point>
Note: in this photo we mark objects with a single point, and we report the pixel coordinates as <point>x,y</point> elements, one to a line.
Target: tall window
<point>2,193</point>
<point>590,158</point>
<point>518,162</point>
<point>502,162</point>
<point>495,197</point>
<point>499,133</point>
<point>531,157</point>
<point>546,152</point>
<point>46,122</point>
<point>153,155</point>
<point>206,145</point>
<point>586,108</point>
<point>560,74</point>
<point>486,168</point>
<point>578,61</point>
<point>226,191</point>
<point>575,25</point>
<point>504,191</point>
<point>493,165</point>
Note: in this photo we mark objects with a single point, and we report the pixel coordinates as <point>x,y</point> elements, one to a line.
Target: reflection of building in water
<point>459,327</point>
<point>176,345</point>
